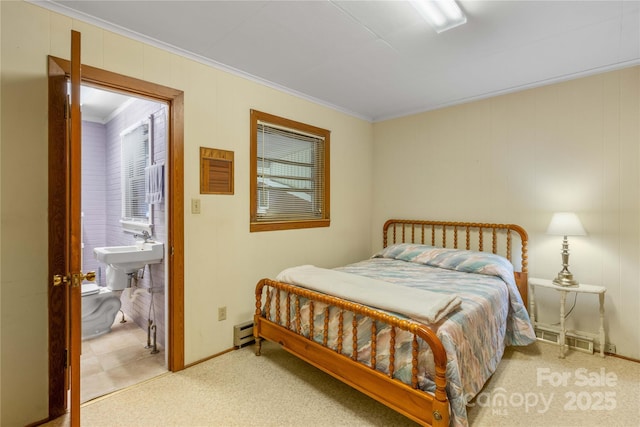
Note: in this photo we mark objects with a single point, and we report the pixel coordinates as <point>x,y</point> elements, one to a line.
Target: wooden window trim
<point>325,221</point>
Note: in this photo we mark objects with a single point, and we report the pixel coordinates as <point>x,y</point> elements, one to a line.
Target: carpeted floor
<point>532,387</point>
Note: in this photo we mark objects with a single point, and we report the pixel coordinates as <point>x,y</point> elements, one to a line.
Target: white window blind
<point>134,160</point>
<point>290,174</point>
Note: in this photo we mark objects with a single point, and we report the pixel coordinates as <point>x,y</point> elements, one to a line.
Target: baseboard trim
<point>619,356</point>
<point>197,362</point>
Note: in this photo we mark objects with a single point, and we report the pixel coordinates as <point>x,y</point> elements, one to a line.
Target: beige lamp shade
<point>566,224</point>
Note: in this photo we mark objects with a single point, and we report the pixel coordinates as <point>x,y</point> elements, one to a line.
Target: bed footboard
<point>423,407</point>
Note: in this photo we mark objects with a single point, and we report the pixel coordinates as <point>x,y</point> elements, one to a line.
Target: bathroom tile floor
<point>117,360</point>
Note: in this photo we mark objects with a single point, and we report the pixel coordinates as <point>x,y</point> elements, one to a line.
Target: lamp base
<point>565,279</point>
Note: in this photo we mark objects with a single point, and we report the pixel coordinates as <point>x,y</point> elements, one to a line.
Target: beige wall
<point>515,158</point>
<point>223,261</point>
<point>573,146</point>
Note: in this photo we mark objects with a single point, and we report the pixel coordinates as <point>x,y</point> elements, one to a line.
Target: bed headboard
<point>496,238</point>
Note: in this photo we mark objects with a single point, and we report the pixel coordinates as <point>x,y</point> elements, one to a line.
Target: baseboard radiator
<point>243,334</point>
<point>573,340</point>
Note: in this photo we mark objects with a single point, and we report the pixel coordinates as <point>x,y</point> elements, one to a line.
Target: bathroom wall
<point>94,140</point>
<point>101,204</point>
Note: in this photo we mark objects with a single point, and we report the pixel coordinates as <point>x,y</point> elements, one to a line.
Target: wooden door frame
<point>175,209</point>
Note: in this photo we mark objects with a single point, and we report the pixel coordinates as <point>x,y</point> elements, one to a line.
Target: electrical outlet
<point>195,206</point>
<point>222,313</point>
<point>610,348</point>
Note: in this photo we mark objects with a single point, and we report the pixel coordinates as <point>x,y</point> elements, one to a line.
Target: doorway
<point>124,138</point>
<point>174,219</point>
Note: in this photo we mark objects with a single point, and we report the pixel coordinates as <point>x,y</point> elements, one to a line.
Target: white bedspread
<point>417,304</point>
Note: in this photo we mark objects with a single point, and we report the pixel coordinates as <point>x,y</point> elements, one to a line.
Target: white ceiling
<point>101,105</point>
<point>378,59</point>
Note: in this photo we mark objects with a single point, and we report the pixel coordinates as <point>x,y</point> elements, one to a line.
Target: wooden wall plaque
<point>216,171</point>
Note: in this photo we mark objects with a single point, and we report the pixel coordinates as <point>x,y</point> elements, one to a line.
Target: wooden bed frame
<point>425,408</point>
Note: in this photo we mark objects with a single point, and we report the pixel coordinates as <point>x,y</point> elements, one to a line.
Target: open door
<point>65,294</point>
<point>65,130</point>
<point>75,230</point>
<point>58,295</point>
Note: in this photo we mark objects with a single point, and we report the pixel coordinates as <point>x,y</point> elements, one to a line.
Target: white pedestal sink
<point>130,258</point>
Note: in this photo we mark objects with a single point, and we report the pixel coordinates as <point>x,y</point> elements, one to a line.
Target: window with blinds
<point>134,160</point>
<point>289,174</point>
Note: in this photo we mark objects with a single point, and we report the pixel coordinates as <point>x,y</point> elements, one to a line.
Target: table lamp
<point>565,224</point>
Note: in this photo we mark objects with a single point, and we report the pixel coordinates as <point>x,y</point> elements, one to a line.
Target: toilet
<point>100,304</point>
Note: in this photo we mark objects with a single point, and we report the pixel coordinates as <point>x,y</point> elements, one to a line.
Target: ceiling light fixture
<point>441,14</point>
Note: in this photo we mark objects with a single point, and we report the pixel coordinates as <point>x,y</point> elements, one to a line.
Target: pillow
<point>451,259</point>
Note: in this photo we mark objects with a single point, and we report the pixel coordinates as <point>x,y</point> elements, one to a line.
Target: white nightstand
<point>564,290</point>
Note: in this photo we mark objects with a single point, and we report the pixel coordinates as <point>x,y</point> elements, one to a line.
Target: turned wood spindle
<point>392,352</point>
<point>340,330</point>
<point>354,335</point>
<point>494,243</point>
<point>311,318</point>
<point>267,303</point>
<point>414,362</point>
<point>288,310</point>
<point>325,332</point>
<point>374,343</point>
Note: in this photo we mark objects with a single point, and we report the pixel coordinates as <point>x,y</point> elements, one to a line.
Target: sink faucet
<point>145,235</point>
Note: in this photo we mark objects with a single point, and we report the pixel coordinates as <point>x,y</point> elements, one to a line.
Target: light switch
<point>195,206</point>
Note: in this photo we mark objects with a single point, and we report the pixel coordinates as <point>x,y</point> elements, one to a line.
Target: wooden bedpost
<point>257,316</point>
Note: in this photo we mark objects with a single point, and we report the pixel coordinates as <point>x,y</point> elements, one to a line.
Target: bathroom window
<point>289,174</point>
<point>134,160</point>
